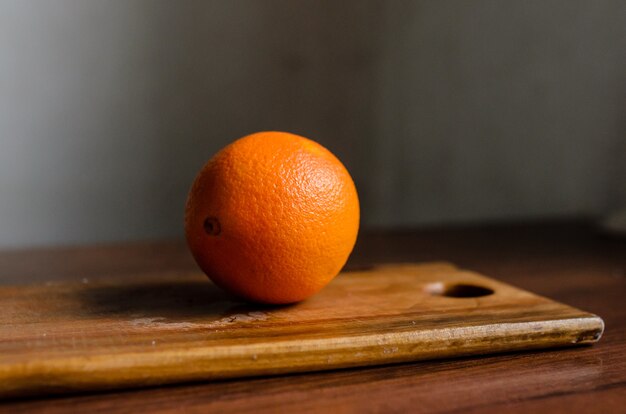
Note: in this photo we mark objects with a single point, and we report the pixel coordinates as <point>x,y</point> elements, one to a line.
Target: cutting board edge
<point>249,360</point>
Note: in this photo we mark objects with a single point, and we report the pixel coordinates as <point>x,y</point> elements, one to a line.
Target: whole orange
<point>272,217</point>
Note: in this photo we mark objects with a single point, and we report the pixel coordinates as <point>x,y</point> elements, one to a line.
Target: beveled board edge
<point>200,363</point>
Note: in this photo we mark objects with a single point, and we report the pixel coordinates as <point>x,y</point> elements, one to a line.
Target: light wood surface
<point>106,333</point>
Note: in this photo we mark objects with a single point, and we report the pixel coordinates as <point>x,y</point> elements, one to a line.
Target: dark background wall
<point>447,111</point>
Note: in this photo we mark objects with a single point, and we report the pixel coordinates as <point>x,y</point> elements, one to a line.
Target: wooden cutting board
<point>118,333</point>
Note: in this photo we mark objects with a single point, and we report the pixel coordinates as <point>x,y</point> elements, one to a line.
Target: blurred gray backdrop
<point>443,111</point>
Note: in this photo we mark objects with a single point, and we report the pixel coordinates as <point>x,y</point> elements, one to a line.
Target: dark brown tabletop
<point>567,261</point>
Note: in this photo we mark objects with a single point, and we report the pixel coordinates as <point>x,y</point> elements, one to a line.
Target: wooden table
<point>567,261</point>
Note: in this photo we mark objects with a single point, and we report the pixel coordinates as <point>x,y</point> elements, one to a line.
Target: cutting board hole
<point>458,290</point>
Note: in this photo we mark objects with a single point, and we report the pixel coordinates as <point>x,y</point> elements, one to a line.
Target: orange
<point>272,217</point>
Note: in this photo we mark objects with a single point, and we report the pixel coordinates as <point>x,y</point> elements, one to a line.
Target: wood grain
<point>567,261</point>
<point>116,333</point>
